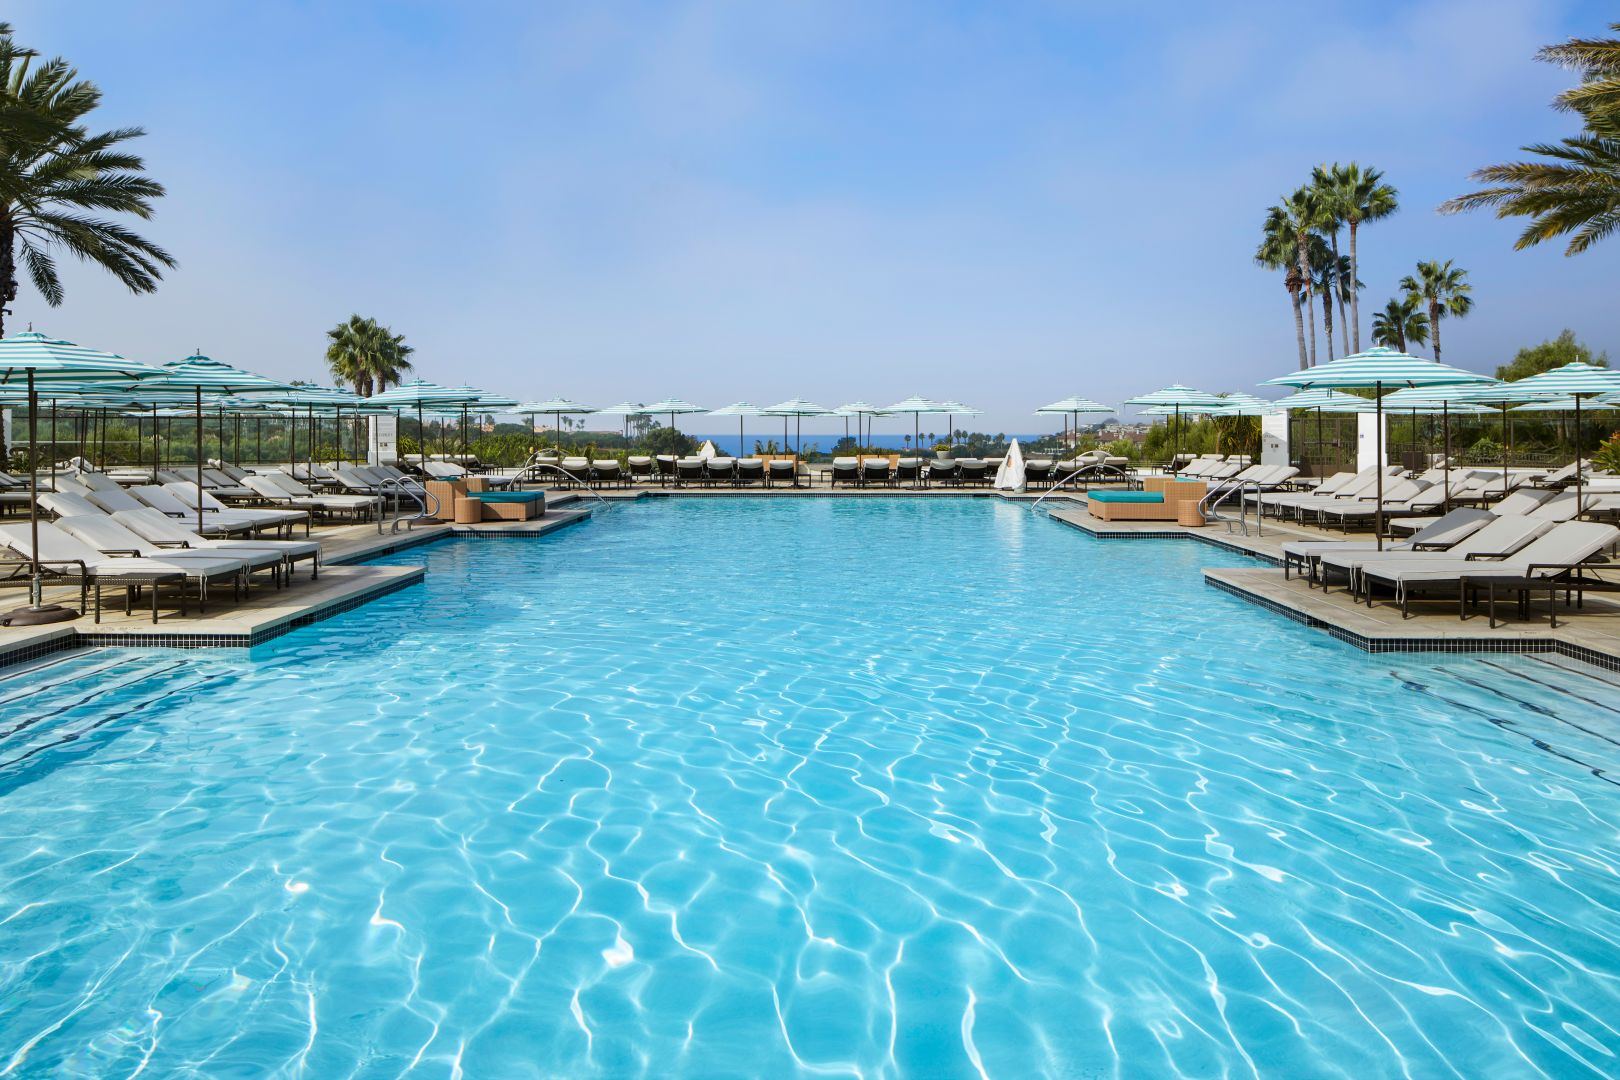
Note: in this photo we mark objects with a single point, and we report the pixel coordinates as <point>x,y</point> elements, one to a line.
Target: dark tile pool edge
<point>1172,534</point>
<point>94,639</point>
<point>1425,644</point>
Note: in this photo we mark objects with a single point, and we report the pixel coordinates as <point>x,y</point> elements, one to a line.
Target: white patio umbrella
<point>1378,369</point>
<point>33,359</point>
<point>740,409</point>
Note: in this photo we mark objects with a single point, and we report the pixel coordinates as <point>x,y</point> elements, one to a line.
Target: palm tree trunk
<point>1434,327</point>
<point>1327,319</point>
<point>1296,302</point>
<point>1338,291</point>
<point>8,269</point>
<point>1355,293</point>
<point>1305,277</point>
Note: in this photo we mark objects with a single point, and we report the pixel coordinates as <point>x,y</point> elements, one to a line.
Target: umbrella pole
<point>1378,462</point>
<point>1580,500</point>
<point>742,448</point>
<point>1445,448</point>
<point>36,612</point>
<point>198,389</point>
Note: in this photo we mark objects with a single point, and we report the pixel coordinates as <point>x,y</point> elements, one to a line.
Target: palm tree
<point>52,170</point>
<point>1329,187</point>
<point>1446,291</point>
<point>1332,280</point>
<point>1277,252</point>
<point>1400,323</point>
<point>366,355</point>
<point>1598,61</point>
<point>1304,213</point>
<point>1360,195</point>
<point>1576,190</point>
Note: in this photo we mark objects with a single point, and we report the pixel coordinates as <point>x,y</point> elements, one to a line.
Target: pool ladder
<point>1209,506</point>
<point>418,494</point>
<point>1097,469</point>
<point>532,466</point>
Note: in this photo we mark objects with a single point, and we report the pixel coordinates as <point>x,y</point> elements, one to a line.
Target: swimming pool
<point>775,787</point>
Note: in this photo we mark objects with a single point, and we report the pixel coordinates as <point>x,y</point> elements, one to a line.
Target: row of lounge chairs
<point>955,472</point>
<point>1464,551</point>
<point>140,547</point>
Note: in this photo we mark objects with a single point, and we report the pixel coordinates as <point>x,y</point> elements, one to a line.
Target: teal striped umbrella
<point>1071,408</point>
<point>1576,380</point>
<point>551,407</point>
<point>918,407</point>
<point>798,408</point>
<point>674,407</point>
<point>420,394</point>
<point>1378,369</point>
<point>201,375</point>
<point>860,410</point>
<point>1177,397</point>
<point>625,410</point>
<point>740,409</point>
<point>26,361</point>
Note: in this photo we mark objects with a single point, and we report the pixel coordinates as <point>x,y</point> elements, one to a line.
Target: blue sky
<point>1001,203</point>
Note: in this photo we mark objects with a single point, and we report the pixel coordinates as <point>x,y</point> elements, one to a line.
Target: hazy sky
<point>999,202</point>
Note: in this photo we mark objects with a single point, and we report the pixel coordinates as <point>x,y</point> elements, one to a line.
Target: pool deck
<point>266,613</point>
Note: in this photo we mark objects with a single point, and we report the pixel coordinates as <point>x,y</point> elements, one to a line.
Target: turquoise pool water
<point>809,788</point>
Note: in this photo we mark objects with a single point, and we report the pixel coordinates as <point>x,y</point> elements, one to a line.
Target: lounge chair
<point>750,470</point>
<point>607,472</point>
<point>845,469</point>
<point>720,470</point>
<point>640,467</point>
<point>167,532</point>
<point>1565,548</point>
<point>1440,533</point>
<point>1516,504</point>
<point>665,464</point>
<point>112,537</point>
<point>281,490</point>
<point>235,521</point>
<point>908,468</point>
<point>65,559</point>
<point>284,519</point>
<point>943,471</point>
<point>1038,473</point>
<point>782,471</point>
<point>1498,539</point>
<point>445,470</point>
<point>688,469</point>
<point>974,471</point>
<point>876,471</point>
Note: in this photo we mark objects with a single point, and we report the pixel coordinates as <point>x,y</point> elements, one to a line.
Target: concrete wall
<point>1367,441</point>
<point>384,441</point>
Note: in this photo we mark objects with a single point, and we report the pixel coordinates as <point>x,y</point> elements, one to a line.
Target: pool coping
<point>72,636</point>
<point>1527,639</point>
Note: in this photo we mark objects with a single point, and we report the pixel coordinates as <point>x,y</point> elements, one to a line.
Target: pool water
<point>809,787</point>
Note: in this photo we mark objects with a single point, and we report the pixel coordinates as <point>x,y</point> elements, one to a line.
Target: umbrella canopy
<point>917,407</point>
<point>1379,368</point>
<point>798,408</point>
<point>419,393</point>
<point>860,410</point>
<point>1074,405</point>
<point>1325,399</point>
<point>204,375</point>
<point>1578,381</point>
<point>1565,404</point>
<point>557,407</point>
<point>740,409</point>
<point>1178,398</point>
<point>27,360</point>
<point>673,407</point>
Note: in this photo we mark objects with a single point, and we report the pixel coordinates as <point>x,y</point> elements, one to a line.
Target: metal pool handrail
<point>532,465</point>
<point>418,492</point>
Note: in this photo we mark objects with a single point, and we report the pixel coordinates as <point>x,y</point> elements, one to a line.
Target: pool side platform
<point>267,613</point>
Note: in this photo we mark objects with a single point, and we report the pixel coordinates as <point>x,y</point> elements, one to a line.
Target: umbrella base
<point>38,616</point>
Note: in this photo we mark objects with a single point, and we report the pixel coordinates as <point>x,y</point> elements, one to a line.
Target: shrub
<point>1485,451</point>
<point>1608,454</point>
